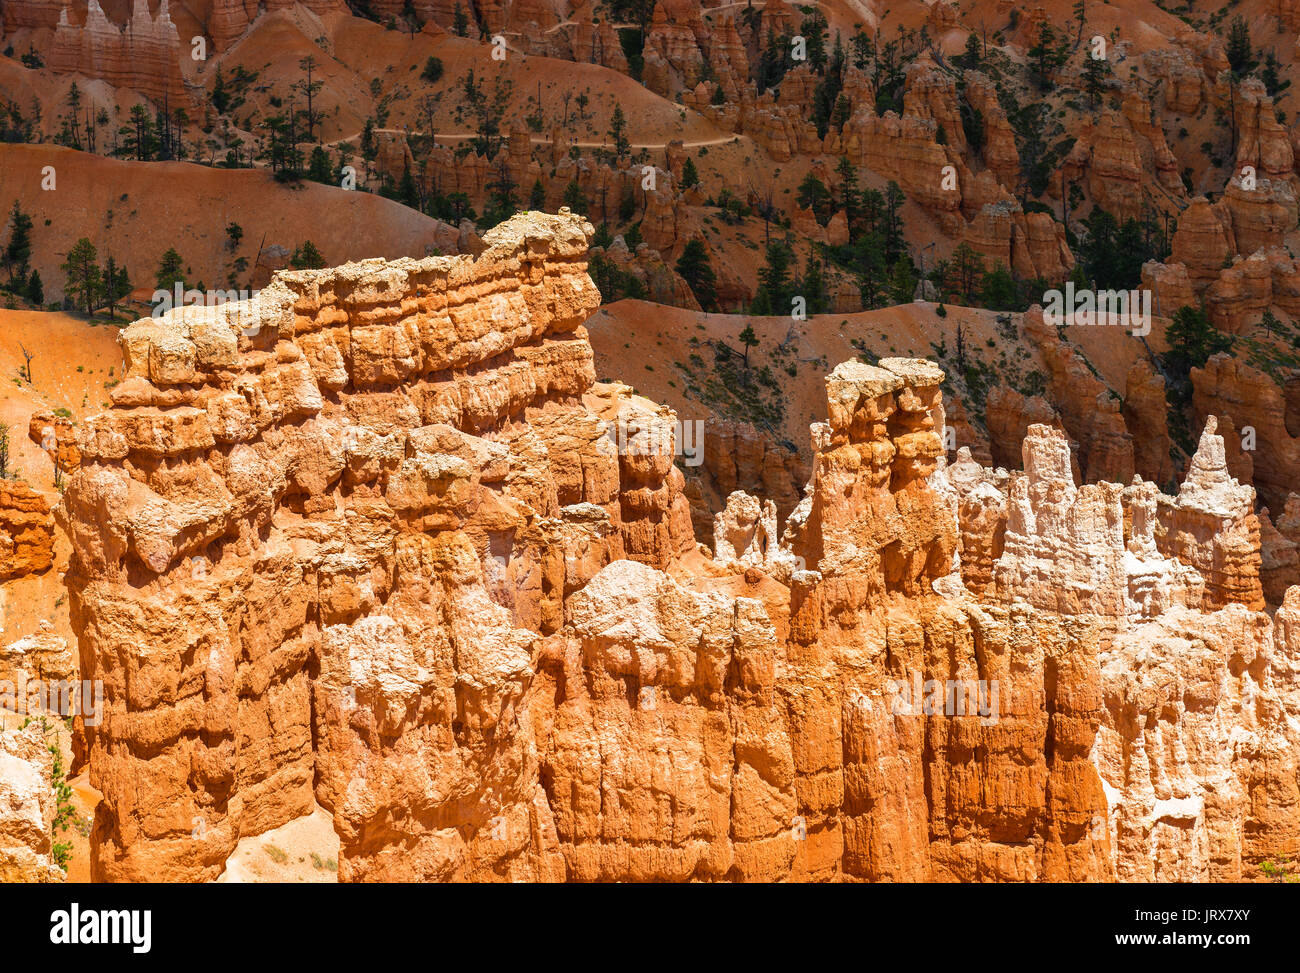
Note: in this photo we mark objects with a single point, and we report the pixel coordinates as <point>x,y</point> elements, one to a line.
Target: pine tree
<point>369,145</point>
<point>749,340</point>
<point>117,284</point>
<point>895,245</point>
<point>690,175</point>
<point>774,292</point>
<point>459,22</point>
<point>318,166</point>
<point>220,96</point>
<point>307,257</point>
<point>35,289</point>
<point>697,271</point>
<point>171,269</point>
<point>1239,51</point>
<point>869,260</point>
<point>574,198</point>
<point>537,198</point>
<point>812,194</point>
<point>814,33</point>
<point>1095,72</point>
<point>813,287</point>
<point>1191,340</point>
<point>18,251</point>
<point>848,190</point>
<point>998,289</point>
<point>84,280</point>
<point>408,192</point>
<point>965,271</point>
<point>1046,56</point>
<point>618,134</point>
<point>432,72</point>
<point>902,281</point>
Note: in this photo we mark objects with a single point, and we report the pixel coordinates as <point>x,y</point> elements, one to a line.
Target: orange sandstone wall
<point>364,541</point>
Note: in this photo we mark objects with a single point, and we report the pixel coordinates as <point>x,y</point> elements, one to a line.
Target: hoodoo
<point>381,555</point>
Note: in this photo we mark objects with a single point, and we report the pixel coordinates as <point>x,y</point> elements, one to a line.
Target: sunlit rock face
<point>378,540</point>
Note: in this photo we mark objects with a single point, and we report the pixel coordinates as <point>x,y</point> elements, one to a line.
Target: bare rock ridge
<point>378,539</point>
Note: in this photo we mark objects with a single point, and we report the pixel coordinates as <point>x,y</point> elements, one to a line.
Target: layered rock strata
<point>379,541</point>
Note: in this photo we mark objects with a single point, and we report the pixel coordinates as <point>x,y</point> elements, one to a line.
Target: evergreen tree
<point>965,272</point>
<point>309,89</point>
<point>537,198</point>
<point>408,191</point>
<point>18,251</point>
<point>696,270</point>
<point>749,340</point>
<point>848,190</point>
<point>35,289</point>
<point>813,30</point>
<point>872,269</point>
<point>895,245</point>
<point>171,269</point>
<point>902,281</point>
<point>690,176</point>
<point>84,279</point>
<point>998,289</point>
<point>574,198</point>
<point>813,287</point>
<point>306,257</point>
<point>864,49</point>
<point>774,289</point>
<point>117,284</point>
<point>501,193</point>
<point>1047,55</point>
<point>139,138</point>
<point>459,22</point>
<point>319,168</point>
<point>369,145</point>
<point>1239,51</point>
<point>220,96</point>
<point>1095,73</point>
<point>813,194</point>
<point>618,134</point>
<point>432,72</point>
<point>1191,340</point>
<point>1273,83</point>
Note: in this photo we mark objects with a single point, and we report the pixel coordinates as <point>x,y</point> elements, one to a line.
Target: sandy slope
<point>304,850</point>
<point>61,344</point>
<point>137,210</point>
<point>649,347</point>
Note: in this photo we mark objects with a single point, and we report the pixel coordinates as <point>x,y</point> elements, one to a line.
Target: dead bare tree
<point>28,356</point>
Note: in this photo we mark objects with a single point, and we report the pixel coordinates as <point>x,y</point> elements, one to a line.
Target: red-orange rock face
<point>1234,391</point>
<point>145,55</point>
<point>26,531</point>
<point>376,539</point>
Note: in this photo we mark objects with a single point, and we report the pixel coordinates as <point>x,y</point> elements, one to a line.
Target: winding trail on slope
<point>543,140</point>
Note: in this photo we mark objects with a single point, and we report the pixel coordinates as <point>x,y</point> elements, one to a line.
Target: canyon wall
<point>378,540</point>
<point>145,55</point>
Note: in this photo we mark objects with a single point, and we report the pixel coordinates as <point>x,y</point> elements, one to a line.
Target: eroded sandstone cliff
<point>378,540</point>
